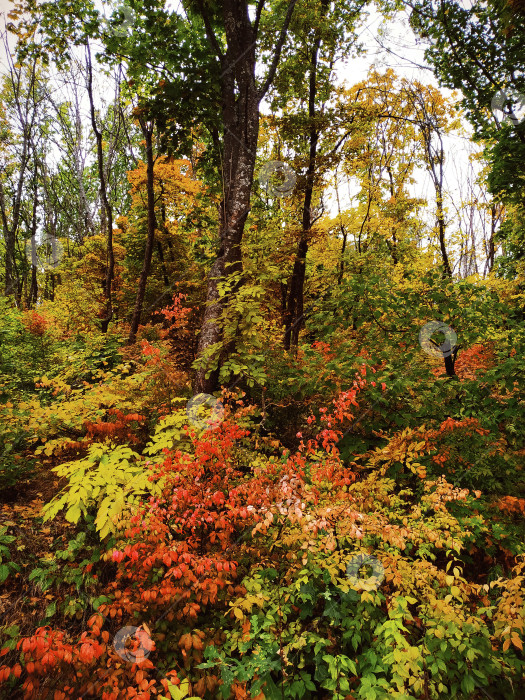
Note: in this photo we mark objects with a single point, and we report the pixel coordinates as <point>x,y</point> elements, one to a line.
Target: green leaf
<point>51,609</point>
<point>4,572</point>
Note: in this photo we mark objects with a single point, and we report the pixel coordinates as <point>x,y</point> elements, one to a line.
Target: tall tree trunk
<point>450,361</point>
<point>343,250</point>
<point>240,115</point>
<point>27,111</point>
<point>33,289</point>
<point>110,257</point>
<point>12,278</point>
<point>295,304</point>
<point>393,244</point>
<point>234,211</point>
<point>164,226</point>
<point>344,234</point>
<point>10,270</point>
<point>436,157</point>
<point>32,294</point>
<point>160,253</point>
<point>147,130</point>
<point>491,252</point>
<point>430,128</point>
<point>440,215</point>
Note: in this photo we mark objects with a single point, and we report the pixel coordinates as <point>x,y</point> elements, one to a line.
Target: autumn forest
<point>262,388</point>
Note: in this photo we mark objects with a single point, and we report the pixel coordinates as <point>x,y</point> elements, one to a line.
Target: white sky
<point>5,7</point>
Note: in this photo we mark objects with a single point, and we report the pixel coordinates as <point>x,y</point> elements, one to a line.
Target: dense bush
<point>292,575</point>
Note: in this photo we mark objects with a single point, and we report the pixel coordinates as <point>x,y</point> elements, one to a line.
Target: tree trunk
<point>165,228</point>
<point>147,130</point>
<point>240,111</point>
<point>447,272</point>
<point>27,111</point>
<point>431,126</point>
<point>110,258</point>
<point>491,252</point>
<point>436,157</point>
<point>11,273</point>
<point>33,289</point>
<point>32,294</point>
<point>240,118</point>
<point>234,210</point>
<point>450,361</point>
<point>295,305</point>
<point>393,243</point>
<point>12,278</point>
<point>294,309</point>
<point>160,253</point>
<point>344,234</point>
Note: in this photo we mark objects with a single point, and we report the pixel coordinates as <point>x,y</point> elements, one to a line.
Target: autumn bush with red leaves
<point>120,427</point>
<point>180,558</point>
<point>35,323</point>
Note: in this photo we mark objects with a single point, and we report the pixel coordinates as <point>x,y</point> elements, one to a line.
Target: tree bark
<point>447,272</point>
<point>344,234</point>
<point>491,252</point>
<point>393,244</point>
<point>108,210</point>
<point>32,293</point>
<point>450,361</point>
<point>429,126</point>
<point>26,109</point>
<point>295,304</point>
<point>147,130</point>
<point>240,114</point>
